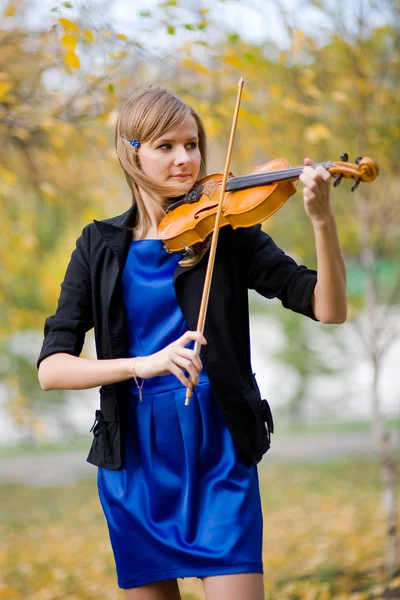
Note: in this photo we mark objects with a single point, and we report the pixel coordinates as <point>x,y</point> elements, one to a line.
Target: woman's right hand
<point>175,359</point>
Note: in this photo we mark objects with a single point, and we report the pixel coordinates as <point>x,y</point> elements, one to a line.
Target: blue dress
<point>184,504</point>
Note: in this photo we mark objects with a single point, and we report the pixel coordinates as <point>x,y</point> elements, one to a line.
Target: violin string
<point>294,171</point>
<point>235,182</point>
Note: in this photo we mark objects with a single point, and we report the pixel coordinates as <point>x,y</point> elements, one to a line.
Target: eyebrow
<point>165,140</point>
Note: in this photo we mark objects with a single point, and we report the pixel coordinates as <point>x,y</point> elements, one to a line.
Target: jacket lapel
<point>116,234</point>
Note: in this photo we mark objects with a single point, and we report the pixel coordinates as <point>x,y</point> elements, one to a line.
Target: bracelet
<point>139,387</point>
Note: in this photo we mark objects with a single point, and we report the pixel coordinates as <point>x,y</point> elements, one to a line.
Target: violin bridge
<point>210,187</point>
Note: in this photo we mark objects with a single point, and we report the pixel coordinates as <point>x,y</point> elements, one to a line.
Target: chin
<point>183,188</point>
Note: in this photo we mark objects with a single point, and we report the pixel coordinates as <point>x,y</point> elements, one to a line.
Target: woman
<point>179,484</point>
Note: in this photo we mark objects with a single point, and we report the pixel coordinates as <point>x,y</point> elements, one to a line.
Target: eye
<point>192,145</point>
<point>165,147</point>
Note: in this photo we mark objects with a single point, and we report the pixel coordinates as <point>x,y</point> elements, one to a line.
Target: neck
<point>155,213</point>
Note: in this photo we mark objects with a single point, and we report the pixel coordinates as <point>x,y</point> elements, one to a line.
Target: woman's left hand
<point>316,192</point>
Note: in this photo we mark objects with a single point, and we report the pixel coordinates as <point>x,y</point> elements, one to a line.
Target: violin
<point>247,200</point>
<point>218,200</point>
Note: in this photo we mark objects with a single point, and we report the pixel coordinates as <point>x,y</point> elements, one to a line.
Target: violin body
<point>191,223</point>
<point>247,201</point>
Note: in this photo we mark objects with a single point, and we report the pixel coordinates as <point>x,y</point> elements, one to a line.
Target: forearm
<point>63,371</point>
<point>329,299</point>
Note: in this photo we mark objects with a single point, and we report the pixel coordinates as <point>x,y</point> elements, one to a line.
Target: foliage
<point>61,85</point>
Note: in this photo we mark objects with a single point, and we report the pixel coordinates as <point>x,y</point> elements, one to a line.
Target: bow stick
<point>213,248</point>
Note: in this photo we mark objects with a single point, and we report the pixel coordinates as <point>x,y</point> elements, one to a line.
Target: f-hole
<point>196,216</point>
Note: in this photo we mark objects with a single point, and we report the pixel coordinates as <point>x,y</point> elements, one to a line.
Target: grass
<point>323,538</point>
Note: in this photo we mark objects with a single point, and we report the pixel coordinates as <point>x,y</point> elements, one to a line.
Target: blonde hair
<point>146,116</point>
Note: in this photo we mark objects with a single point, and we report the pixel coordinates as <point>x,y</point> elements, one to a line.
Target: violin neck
<point>235,184</point>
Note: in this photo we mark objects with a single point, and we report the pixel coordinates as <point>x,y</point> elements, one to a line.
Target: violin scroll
<point>364,169</point>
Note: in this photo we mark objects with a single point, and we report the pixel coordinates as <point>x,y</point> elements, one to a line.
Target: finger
<point>308,181</point>
<point>192,356</point>
<point>187,365</point>
<point>309,161</point>
<point>179,374</point>
<point>317,175</point>
<point>189,336</point>
<point>308,194</point>
<point>326,176</point>
<point>311,171</point>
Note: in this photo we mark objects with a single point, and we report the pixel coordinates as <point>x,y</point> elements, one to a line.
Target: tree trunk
<point>381,435</point>
<point>388,477</point>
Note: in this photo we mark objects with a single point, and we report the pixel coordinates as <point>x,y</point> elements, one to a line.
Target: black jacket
<point>91,296</point>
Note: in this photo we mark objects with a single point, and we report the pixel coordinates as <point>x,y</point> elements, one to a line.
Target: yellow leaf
<point>47,188</point>
<point>57,141</point>
<point>10,10</point>
<point>312,91</point>
<point>298,40</point>
<point>317,132</point>
<point>394,131</point>
<point>339,96</point>
<point>67,24</point>
<point>122,37</point>
<point>71,60</point>
<point>7,176</point>
<point>275,90</point>
<point>69,42</point>
<point>195,66</point>
<point>89,35</point>
<point>117,55</point>
<point>47,124</point>
<point>21,133</point>
<point>4,87</point>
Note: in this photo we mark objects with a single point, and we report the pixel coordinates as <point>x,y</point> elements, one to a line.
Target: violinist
<point>179,484</point>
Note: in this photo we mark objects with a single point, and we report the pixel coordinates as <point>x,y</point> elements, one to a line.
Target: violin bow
<point>213,248</point>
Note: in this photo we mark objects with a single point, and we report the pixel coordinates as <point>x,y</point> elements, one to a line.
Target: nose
<point>181,157</point>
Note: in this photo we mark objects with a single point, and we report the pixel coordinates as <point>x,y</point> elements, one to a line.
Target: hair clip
<point>133,143</point>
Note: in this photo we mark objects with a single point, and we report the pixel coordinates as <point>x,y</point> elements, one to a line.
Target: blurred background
<point>321,78</point>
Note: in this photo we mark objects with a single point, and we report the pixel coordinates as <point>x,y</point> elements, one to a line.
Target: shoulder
<point>119,220</point>
<point>125,219</point>
<point>99,228</point>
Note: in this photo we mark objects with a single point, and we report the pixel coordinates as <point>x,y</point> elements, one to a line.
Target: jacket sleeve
<point>274,274</point>
<point>65,330</point>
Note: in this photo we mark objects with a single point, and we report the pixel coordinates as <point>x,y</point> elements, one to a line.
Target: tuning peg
<point>344,157</point>
<point>358,160</point>
<point>337,180</point>
<point>356,184</point>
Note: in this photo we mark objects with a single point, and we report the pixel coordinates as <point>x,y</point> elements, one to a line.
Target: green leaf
<point>249,56</point>
<point>189,27</point>
<point>171,30</point>
<point>111,88</point>
<point>233,37</point>
<point>145,13</point>
<point>67,5</point>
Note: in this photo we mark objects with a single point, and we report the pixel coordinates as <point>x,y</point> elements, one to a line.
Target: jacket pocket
<point>105,449</point>
<point>260,437</point>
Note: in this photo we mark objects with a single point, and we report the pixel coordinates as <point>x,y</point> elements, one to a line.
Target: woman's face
<point>173,158</point>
